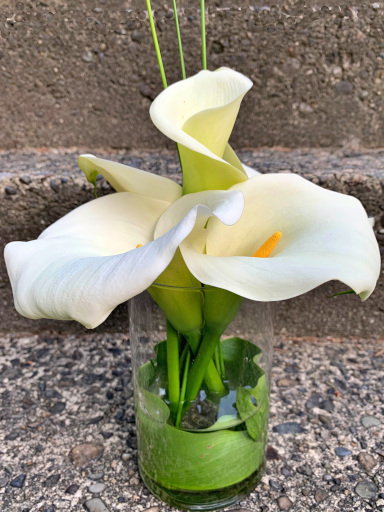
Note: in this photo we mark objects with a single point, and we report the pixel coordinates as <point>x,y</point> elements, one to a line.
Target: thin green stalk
<point>183,391</point>
<point>173,365</point>
<point>203,34</point>
<point>178,34</point>
<point>182,357</point>
<point>200,366</point>
<point>212,376</point>
<point>222,363</point>
<point>156,44</point>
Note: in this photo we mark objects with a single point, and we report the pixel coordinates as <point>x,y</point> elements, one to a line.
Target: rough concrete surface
<point>60,392</point>
<point>38,187</point>
<point>84,73</point>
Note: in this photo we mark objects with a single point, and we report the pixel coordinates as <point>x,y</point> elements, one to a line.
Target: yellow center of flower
<point>269,245</point>
<point>139,246</point>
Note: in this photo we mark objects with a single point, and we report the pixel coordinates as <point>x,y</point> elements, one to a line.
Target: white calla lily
<point>85,264</point>
<point>199,114</point>
<point>326,236</point>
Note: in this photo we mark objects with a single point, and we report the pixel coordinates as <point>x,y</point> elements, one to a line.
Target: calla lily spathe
<point>325,236</point>
<point>199,114</point>
<point>88,262</point>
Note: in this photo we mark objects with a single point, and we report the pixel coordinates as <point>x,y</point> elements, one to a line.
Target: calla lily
<point>199,114</point>
<point>88,262</point>
<point>313,236</point>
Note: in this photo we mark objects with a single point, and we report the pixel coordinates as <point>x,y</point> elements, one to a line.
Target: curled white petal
<point>207,102</point>
<point>326,236</point>
<point>226,206</point>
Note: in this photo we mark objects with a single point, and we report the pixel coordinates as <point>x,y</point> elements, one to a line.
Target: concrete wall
<point>84,73</point>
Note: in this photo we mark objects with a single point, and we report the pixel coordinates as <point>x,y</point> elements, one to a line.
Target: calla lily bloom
<point>199,114</point>
<point>307,236</point>
<point>88,262</point>
<point>263,237</point>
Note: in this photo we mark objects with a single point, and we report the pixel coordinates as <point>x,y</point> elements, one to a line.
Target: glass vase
<point>201,370</point>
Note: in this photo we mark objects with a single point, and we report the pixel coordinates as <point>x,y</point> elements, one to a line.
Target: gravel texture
<point>39,186</point>
<point>82,455</point>
<point>84,73</point>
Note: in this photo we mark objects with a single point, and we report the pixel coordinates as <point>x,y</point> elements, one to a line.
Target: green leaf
<point>180,459</point>
<point>252,404</point>
<point>154,406</point>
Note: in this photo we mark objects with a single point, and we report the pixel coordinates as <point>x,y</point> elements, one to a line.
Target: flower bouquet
<point>228,234</point>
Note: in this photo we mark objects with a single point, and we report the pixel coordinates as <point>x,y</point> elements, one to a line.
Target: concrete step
<point>39,186</point>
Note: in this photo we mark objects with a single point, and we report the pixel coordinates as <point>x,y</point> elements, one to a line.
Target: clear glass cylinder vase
<point>201,370</point>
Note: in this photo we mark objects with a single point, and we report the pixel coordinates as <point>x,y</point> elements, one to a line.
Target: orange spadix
<point>269,245</point>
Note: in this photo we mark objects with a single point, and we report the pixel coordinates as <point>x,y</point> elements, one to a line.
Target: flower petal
<point>129,179</point>
<point>199,114</point>
<point>86,263</point>
<point>326,236</point>
<point>251,173</point>
<point>226,206</point>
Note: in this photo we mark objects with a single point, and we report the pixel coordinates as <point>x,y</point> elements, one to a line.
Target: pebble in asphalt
<point>368,421</point>
<point>97,488</point>
<point>366,489</point>
<point>95,505</point>
<point>284,503</point>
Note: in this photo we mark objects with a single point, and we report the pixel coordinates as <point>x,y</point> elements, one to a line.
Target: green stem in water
<point>183,391</point>
<point>178,34</point>
<point>212,375</point>
<point>203,34</point>
<point>198,370</point>
<point>222,363</point>
<point>217,360</point>
<point>182,357</point>
<point>156,44</point>
<point>172,365</point>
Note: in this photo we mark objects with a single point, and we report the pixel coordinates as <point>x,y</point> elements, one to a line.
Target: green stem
<point>213,379</point>
<point>212,375</point>
<point>201,364</point>
<point>217,360</point>
<point>203,34</point>
<point>172,365</point>
<point>182,357</point>
<point>156,44</point>
<point>178,34</point>
<point>183,392</point>
<point>223,373</point>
